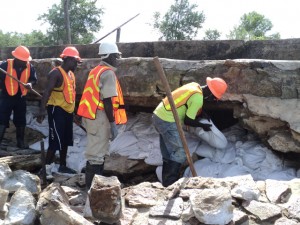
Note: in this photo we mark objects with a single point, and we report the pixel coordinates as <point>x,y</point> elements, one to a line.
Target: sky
<point>21,16</point>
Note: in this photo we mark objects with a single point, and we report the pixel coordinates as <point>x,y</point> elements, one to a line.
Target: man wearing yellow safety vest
<point>13,93</point>
<point>59,100</point>
<point>188,100</point>
<point>101,108</point>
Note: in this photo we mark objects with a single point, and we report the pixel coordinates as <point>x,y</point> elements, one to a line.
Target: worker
<point>188,100</point>
<point>59,101</point>
<point>101,108</point>
<point>14,86</point>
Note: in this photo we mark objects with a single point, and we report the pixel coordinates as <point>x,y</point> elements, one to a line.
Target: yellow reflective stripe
<point>95,100</point>
<point>70,91</point>
<point>88,89</point>
<point>10,79</point>
<point>101,105</point>
<point>179,99</point>
<point>85,102</point>
<point>95,85</point>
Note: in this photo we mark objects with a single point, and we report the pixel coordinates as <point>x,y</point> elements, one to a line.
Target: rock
<point>54,208</point>
<point>264,211</point>
<point>22,208</point>
<point>212,206</point>
<point>105,199</point>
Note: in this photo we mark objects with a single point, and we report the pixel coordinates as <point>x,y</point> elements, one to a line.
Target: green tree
<point>212,35</point>
<point>253,26</point>
<point>11,39</point>
<point>181,22</point>
<point>84,19</point>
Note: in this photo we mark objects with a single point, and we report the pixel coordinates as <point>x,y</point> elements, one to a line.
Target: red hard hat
<point>22,53</point>
<point>217,86</point>
<point>70,52</point>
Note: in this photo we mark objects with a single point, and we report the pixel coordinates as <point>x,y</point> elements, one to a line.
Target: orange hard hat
<point>70,52</point>
<point>22,53</point>
<point>217,86</point>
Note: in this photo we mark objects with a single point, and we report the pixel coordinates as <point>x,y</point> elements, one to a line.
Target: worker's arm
<point>108,90</point>
<point>54,80</point>
<point>194,104</point>
<point>195,123</point>
<point>108,108</point>
<point>32,79</point>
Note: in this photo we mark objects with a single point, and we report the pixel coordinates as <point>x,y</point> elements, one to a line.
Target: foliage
<point>84,20</point>
<point>253,26</point>
<point>181,22</point>
<point>12,39</point>
<point>212,35</point>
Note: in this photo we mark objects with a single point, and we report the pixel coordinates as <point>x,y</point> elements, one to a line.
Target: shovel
<point>20,82</point>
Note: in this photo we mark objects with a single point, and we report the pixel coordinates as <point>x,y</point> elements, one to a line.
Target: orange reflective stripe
<point>11,84</point>
<point>88,107</point>
<point>69,85</point>
<point>24,78</point>
<point>91,94</point>
<point>119,113</point>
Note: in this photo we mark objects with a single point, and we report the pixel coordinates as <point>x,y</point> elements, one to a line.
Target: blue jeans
<point>170,142</point>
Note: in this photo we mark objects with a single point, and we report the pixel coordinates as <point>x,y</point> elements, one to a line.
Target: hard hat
<point>22,53</point>
<point>217,86</point>
<point>107,48</point>
<point>70,52</point>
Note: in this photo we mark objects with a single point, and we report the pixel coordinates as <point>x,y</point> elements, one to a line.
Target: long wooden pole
<point>20,82</point>
<point>43,158</point>
<point>175,114</point>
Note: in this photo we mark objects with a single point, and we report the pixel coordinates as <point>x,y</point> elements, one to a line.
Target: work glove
<point>113,130</point>
<point>28,86</point>
<point>205,126</point>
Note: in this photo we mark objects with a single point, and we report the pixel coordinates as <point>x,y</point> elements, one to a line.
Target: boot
<point>170,172</point>
<point>20,133</point>
<point>90,171</point>
<point>63,162</point>
<point>2,132</point>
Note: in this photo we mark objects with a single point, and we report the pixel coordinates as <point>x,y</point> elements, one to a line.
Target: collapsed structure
<point>259,93</point>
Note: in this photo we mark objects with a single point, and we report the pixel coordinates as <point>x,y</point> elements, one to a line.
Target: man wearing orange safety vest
<point>188,100</point>
<point>59,100</point>
<point>13,93</point>
<point>101,108</point>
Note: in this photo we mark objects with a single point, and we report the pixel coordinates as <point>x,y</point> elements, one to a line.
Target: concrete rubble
<point>196,200</point>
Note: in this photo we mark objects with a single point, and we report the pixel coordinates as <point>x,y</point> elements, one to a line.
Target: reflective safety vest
<point>69,85</point>
<point>12,85</point>
<point>90,100</point>
<point>182,94</point>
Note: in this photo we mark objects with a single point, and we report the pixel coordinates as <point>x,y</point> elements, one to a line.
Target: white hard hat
<point>107,48</point>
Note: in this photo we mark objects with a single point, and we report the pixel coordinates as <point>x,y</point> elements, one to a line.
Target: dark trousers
<point>15,105</point>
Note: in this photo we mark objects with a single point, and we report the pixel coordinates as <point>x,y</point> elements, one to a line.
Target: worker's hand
<point>77,120</point>
<point>28,86</point>
<point>113,130</point>
<point>204,115</point>
<point>205,126</point>
<point>40,116</point>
